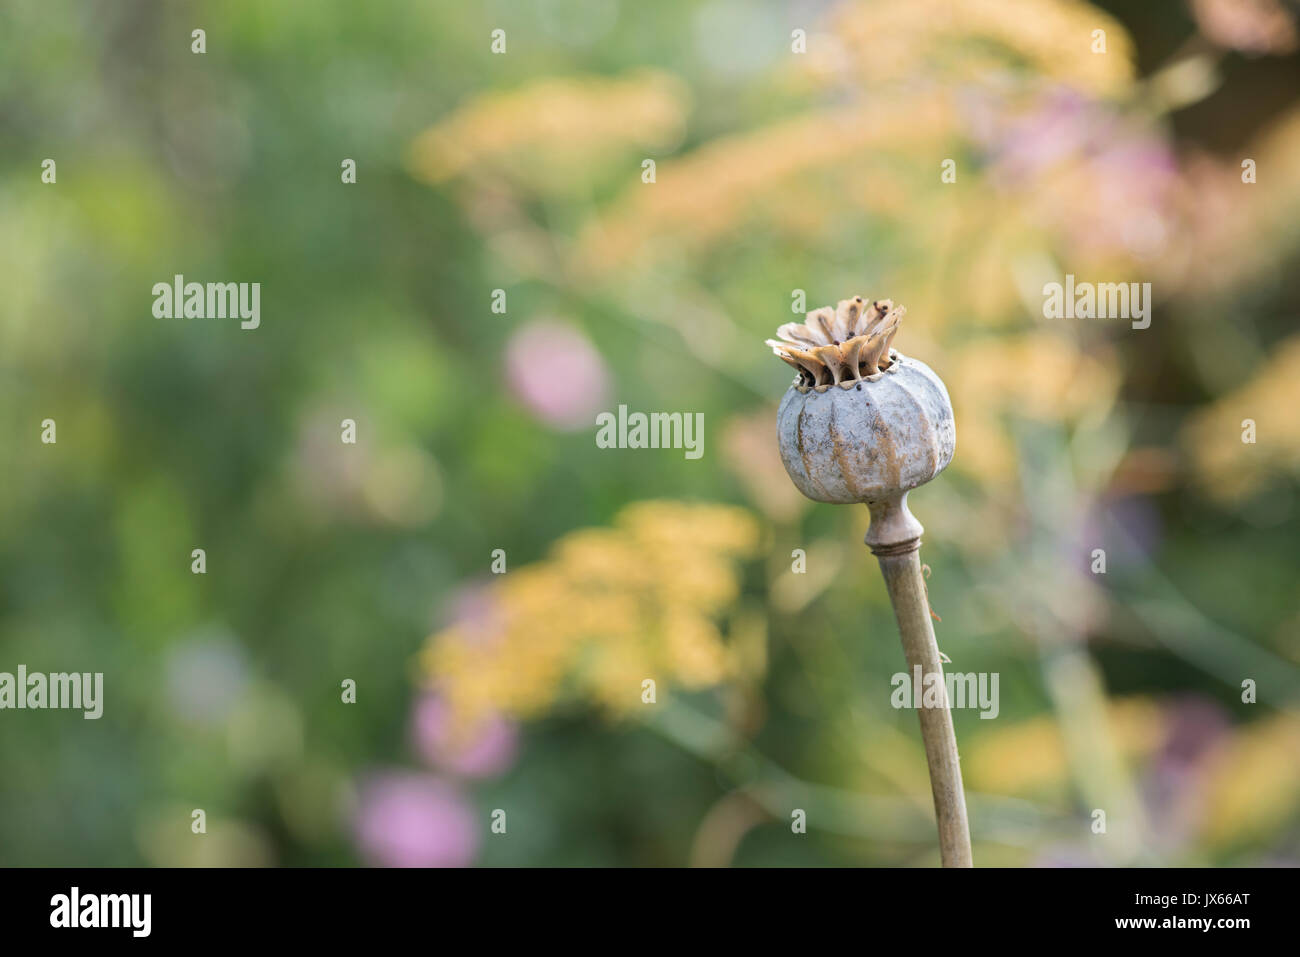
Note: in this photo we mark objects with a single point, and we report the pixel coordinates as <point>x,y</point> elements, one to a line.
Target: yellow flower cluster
<point>610,608</point>
<point>763,175</point>
<point>550,123</point>
<point>970,39</point>
<point>802,173</point>
<point>1231,458</point>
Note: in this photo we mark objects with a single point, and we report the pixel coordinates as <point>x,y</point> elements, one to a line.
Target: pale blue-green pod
<point>867,441</point>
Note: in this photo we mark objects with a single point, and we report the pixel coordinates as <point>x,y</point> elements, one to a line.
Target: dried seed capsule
<point>851,433</point>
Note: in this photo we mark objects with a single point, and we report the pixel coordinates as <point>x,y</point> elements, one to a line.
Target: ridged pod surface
<point>869,442</point>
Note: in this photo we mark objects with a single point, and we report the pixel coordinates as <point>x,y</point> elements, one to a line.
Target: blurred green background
<point>522,171</point>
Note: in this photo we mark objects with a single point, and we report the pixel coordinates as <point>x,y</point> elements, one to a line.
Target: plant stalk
<point>895,540</point>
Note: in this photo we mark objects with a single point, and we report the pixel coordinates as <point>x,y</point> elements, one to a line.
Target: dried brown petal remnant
<point>840,346</point>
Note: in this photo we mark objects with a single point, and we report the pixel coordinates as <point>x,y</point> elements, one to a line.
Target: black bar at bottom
<point>333,907</point>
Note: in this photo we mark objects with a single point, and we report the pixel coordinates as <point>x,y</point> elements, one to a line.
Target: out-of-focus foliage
<point>776,173</point>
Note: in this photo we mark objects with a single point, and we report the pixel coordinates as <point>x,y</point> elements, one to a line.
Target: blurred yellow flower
<point>1254,782</point>
<point>1227,465</point>
<point>752,456</point>
<point>550,126</point>
<point>1030,757</point>
<point>969,39</point>
<point>700,198</point>
<point>803,176</point>
<point>1038,376</point>
<point>610,608</point>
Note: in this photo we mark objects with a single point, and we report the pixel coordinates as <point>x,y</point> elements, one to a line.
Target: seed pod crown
<point>841,346</point>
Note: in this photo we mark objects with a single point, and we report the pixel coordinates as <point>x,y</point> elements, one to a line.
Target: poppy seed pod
<point>862,423</point>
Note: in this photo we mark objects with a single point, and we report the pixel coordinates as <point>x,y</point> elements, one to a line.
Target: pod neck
<point>894,529</point>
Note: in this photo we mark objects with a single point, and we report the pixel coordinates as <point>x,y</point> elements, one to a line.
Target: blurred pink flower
<point>1066,855</point>
<point>557,374</point>
<point>1076,161</point>
<point>482,751</point>
<point>408,819</point>
<point>1129,528</point>
<point>1025,144</point>
<point>1174,785</point>
<point>1251,26</point>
